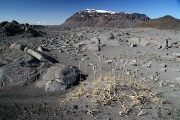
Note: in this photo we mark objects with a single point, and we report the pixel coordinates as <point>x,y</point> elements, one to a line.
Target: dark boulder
<point>59,77</point>
<point>69,75</point>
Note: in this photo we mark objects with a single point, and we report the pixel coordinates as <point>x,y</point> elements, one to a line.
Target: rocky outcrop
<point>20,65</point>
<point>13,28</point>
<point>18,68</point>
<point>100,18</point>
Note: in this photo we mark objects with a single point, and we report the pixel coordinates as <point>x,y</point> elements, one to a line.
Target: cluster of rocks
<point>13,28</point>
<point>21,65</point>
<point>18,67</point>
<point>88,39</point>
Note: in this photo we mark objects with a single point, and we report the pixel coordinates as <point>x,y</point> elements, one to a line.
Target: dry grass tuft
<point>122,89</point>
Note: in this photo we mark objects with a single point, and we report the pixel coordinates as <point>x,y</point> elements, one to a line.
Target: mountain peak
<point>168,16</point>
<point>166,22</point>
<point>104,18</point>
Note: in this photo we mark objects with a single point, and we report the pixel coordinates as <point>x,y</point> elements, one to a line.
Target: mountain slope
<point>102,18</point>
<point>167,23</point>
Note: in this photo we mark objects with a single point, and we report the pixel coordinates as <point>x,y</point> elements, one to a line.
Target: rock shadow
<point>79,78</point>
<point>49,58</point>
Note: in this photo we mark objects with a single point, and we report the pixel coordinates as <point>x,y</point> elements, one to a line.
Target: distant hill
<point>103,18</point>
<point>166,23</point>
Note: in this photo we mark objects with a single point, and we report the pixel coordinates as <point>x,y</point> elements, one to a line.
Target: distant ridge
<point>166,23</point>
<point>103,18</point>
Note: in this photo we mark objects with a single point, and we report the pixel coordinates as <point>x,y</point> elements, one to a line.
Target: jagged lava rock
<point>13,28</point>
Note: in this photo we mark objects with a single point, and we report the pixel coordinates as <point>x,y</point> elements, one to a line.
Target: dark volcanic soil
<point>142,45</point>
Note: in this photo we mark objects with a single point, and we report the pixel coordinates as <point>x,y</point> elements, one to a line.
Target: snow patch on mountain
<point>99,11</point>
<point>103,11</point>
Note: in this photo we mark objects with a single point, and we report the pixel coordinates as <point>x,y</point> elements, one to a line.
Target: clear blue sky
<point>57,11</point>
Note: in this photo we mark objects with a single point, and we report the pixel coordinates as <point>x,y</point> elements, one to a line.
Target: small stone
<point>148,65</point>
<point>142,113</point>
<point>109,119</point>
<point>156,79</point>
<point>172,85</point>
<point>109,61</point>
<point>15,104</point>
<point>134,62</point>
<point>169,112</point>
<point>126,40</point>
<point>127,34</point>
<point>61,51</point>
<point>151,77</point>
<point>161,84</point>
<point>164,65</point>
<point>40,48</point>
<point>176,54</point>
<point>82,59</point>
<point>128,73</point>
<point>158,47</point>
<point>75,107</point>
<point>112,37</point>
<point>178,78</point>
<point>90,64</point>
<point>132,45</point>
<point>44,103</point>
<point>163,69</point>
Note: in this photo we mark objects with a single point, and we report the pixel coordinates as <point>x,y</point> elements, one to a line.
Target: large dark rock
<point>13,28</point>
<point>59,77</point>
<point>69,75</point>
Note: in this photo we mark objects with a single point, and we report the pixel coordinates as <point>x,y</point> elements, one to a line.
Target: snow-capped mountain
<point>104,18</point>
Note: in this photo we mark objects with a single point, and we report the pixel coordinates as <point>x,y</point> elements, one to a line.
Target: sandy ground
<point>30,102</point>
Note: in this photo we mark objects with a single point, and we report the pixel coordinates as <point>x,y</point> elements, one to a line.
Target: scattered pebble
<point>161,83</point>
<point>142,113</point>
